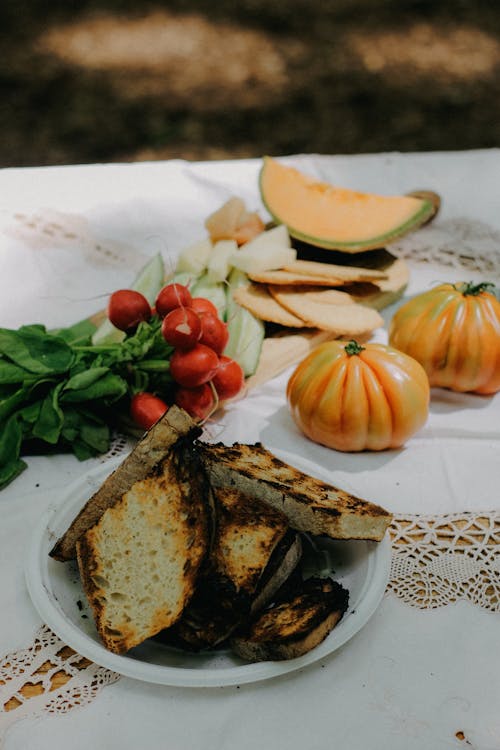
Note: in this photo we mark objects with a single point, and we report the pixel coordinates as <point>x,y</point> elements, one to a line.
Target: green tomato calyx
<point>469,288</point>
<point>352,347</point>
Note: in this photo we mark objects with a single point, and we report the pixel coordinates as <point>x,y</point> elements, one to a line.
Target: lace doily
<point>55,230</point>
<point>437,560</point>
<point>119,446</point>
<point>459,244</point>
<point>48,677</point>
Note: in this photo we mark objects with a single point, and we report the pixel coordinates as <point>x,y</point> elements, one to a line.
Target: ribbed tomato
<point>353,398</point>
<point>453,330</point>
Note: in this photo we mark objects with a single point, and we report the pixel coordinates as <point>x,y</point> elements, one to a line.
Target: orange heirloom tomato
<point>453,330</point>
<point>354,398</point>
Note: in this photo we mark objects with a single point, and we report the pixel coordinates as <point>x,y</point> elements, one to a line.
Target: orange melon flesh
<point>337,218</point>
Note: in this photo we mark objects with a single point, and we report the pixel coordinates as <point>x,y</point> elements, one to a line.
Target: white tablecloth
<point>412,677</point>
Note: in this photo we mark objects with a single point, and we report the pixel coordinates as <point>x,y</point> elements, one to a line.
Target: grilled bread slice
<point>310,504</point>
<point>139,563</point>
<point>253,552</point>
<point>247,533</point>
<point>147,454</point>
<point>294,624</point>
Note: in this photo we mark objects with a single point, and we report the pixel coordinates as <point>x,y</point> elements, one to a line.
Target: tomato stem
<point>469,288</point>
<point>352,347</point>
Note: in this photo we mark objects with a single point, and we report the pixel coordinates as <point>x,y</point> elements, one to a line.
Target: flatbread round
<point>345,319</point>
<point>257,299</point>
<point>398,275</point>
<point>333,271</point>
<point>289,277</point>
<point>382,293</point>
<point>312,293</point>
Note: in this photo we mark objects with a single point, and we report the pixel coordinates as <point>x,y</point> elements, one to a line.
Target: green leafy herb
<point>50,417</point>
<point>59,392</point>
<point>78,333</point>
<point>10,444</point>
<point>37,351</point>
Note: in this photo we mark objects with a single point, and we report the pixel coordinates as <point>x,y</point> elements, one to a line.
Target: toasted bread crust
<point>247,533</point>
<point>147,454</point>
<point>204,538</point>
<point>220,608</point>
<point>253,552</point>
<point>310,504</point>
<point>294,625</point>
<point>139,564</point>
<point>283,564</point>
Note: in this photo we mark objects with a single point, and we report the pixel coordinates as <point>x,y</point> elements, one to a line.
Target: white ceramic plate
<point>56,592</point>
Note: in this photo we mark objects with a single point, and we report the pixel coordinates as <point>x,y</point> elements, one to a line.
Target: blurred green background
<point>114,80</point>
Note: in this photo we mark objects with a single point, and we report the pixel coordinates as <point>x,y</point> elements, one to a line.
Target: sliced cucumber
<point>218,265</point>
<point>262,258</point>
<point>275,236</point>
<point>187,278</point>
<point>246,332</point>
<point>212,290</point>
<point>194,259</point>
<point>151,278</point>
<point>148,281</point>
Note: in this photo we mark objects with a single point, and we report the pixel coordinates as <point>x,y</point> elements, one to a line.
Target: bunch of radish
<point>202,375</point>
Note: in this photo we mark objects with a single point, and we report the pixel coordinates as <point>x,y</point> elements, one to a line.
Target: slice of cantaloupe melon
<point>337,218</point>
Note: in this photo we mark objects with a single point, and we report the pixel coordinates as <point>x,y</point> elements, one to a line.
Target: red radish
<point>214,332</point>
<point>172,296</point>
<point>229,378</point>
<point>194,366</point>
<point>199,402</point>
<point>203,305</point>
<point>127,308</point>
<point>146,409</point>
<point>181,328</point>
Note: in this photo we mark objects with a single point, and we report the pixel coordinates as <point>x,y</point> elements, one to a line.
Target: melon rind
<point>426,210</point>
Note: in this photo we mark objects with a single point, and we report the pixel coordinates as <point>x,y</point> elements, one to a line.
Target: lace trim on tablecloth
<point>459,244</point>
<point>436,561</point>
<point>48,677</point>
<point>120,445</point>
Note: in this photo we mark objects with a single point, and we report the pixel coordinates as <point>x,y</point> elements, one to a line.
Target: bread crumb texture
<point>139,563</point>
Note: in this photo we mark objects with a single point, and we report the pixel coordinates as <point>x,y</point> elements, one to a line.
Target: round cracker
<point>380,294</point>
<point>349,319</point>
<point>316,294</point>
<point>398,275</point>
<point>288,277</point>
<point>333,272</point>
<point>257,299</point>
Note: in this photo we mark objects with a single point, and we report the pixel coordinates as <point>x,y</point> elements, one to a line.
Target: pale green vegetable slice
<point>194,258</point>
<point>186,278</point>
<point>212,290</point>
<point>276,236</point>
<point>263,258</point>
<point>218,264</point>
<point>148,282</point>
<point>266,252</point>
<point>246,332</point>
